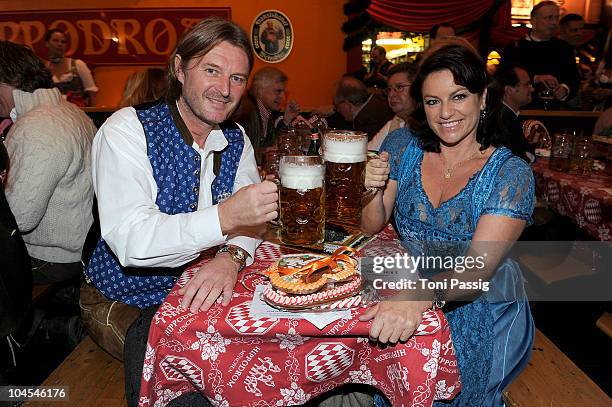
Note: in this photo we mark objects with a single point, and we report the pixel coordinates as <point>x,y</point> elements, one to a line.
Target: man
<point>549,60</point>
<point>175,178</point>
<point>571,27</point>
<point>15,278</point>
<point>398,96</point>
<point>260,109</point>
<point>513,83</point>
<point>440,32</point>
<point>379,67</point>
<point>367,112</point>
<point>49,186</point>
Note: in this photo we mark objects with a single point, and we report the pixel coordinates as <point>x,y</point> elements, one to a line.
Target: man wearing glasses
<point>398,97</point>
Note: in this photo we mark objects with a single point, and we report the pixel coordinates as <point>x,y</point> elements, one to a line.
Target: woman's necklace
<point>448,170</point>
<point>56,60</point>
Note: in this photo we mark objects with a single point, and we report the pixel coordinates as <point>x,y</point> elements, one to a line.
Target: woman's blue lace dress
<point>493,334</point>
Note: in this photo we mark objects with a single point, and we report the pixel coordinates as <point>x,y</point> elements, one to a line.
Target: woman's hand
<point>395,320</point>
<point>377,171</point>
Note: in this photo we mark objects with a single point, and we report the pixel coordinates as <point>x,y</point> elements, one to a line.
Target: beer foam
<point>302,177</point>
<point>345,147</point>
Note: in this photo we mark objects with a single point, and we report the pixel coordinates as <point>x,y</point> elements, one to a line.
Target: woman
<point>147,85</point>
<point>71,76</point>
<point>455,182</point>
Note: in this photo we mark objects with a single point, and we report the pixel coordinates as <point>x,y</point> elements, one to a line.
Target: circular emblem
<point>272,36</point>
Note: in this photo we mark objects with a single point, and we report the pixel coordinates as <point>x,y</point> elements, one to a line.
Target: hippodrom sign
<point>144,36</point>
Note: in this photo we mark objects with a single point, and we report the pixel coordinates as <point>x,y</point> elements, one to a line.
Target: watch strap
<point>237,254</point>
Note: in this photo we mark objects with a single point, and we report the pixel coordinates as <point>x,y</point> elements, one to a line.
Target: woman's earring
<point>483,114</point>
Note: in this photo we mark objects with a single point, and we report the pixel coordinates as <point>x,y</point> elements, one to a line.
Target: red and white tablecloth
<point>586,200</point>
<point>236,360</point>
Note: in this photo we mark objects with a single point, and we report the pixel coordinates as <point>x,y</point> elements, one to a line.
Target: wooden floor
<point>551,379</point>
<point>95,379</point>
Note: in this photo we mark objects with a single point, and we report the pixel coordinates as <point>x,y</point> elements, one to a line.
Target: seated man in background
<point>513,84</point>
<point>550,62</point>
<point>398,96</point>
<point>364,111</point>
<point>441,31</point>
<point>260,109</point>
<point>174,179</point>
<point>15,280</point>
<point>49,185</point>
<point>570,29</point>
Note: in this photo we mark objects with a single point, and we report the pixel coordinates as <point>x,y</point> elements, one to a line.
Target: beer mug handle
<point>276,222</point>
<point>368,193</point>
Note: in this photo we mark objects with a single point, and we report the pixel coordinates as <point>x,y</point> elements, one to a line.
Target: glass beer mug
<point>561,149</point>
<point>302,200</point>
<point>345,154</point>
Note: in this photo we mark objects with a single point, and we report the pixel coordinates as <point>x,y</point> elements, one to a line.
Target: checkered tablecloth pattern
<point>237,360</point>
<point>587,201</point>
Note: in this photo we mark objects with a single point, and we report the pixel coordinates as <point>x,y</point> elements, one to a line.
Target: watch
<point>238,254</point>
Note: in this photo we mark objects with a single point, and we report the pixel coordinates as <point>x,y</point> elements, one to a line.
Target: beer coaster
<point>335,237</point>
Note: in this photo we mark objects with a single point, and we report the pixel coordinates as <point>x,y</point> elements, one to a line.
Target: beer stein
<point>345,154</point>
<point>561,149</point>
<point>288,142</point>
<point>302,200</point>
<point>547,99</point>
<point>271,161</point>
<point>581,159</point>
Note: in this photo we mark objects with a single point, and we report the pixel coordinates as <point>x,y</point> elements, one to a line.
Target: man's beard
<point>216,96</point>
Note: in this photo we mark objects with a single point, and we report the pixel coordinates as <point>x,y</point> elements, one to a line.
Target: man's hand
<point>377,171</point>
<point>395,320</point>
<point>300,119</point>
<point>291,111</point>
<point>547,80</point>
<point>252,205</point>
<point>215,278</point>
<point>324,111</point>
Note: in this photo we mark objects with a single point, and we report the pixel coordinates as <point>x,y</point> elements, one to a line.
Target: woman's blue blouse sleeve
<point>514,192</point>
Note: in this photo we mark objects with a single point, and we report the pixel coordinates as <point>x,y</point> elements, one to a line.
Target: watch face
<point>237,254</point>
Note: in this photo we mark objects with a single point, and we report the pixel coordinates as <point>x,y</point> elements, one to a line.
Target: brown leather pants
<point>106,321</point>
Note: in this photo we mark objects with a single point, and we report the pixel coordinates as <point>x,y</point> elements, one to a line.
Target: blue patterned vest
<point>176,170</point>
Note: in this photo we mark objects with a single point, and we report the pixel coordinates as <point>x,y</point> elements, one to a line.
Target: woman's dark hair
<point>22,69</point>
<point>469,70</point>
<point>52,31</point>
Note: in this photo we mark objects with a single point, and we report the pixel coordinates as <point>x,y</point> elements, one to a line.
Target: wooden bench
<point>94,378</point>
<point>552,379</point>
<point>605,323</point>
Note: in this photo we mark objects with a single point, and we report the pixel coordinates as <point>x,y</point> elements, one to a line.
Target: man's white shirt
<point>137,232</point>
